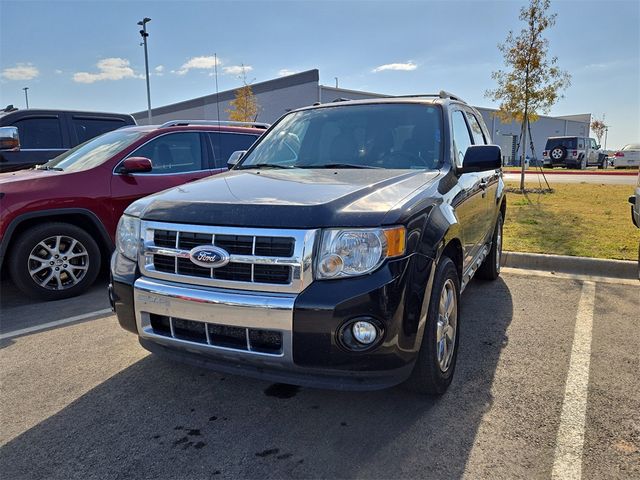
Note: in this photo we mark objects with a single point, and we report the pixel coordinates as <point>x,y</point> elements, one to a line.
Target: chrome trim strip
<point>271,311</point>
<point>300,262</point>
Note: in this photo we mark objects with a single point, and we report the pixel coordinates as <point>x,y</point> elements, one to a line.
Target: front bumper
<point>310,352</point>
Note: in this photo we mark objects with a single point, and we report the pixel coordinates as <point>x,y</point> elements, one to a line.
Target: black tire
<point>83,261</point>
<point>557,154</point>
<point>490,268</point>
<point>582,164</point>
<point>427,376</point>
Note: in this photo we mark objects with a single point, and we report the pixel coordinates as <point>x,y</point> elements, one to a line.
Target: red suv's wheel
<point>54,261</point>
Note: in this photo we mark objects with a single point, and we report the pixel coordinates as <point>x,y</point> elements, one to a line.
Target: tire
<point>428,375</point>
<point>490,268</point>
<point>583,163</point>
<point>33,261</point>
<point>557,154</point>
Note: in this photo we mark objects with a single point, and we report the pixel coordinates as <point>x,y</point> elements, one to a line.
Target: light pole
<point>336,81</point>
<point>144,35</point>
<point>26,96</point>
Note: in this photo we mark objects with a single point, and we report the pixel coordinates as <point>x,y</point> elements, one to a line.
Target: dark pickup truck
<point>333,254</point>
<point>33,137</point>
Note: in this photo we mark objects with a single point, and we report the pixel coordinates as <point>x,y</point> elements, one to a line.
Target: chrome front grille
<point>260,259</point>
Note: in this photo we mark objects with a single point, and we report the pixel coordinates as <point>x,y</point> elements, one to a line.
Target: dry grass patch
<point>586,220</point>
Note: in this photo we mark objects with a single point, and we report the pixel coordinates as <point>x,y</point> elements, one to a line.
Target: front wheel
<point>433,371</point>
<point>54,261</point>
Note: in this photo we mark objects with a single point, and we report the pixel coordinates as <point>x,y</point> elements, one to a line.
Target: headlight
<point>348,253</point>
<point>128,236</point>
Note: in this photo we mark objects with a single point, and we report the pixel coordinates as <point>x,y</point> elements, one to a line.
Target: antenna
<point>215,67</point>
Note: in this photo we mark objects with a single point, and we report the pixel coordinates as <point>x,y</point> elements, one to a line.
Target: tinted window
<point>173,153</point>
<point>39,133</point>
<point>224,144</point>
<point>476,130</point>
<point>461,138</point>
<point>561,142</point>
<point>87,128</point>
<point>379,136</point>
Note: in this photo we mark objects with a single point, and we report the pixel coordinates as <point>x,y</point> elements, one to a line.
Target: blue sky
<point>86,54</point>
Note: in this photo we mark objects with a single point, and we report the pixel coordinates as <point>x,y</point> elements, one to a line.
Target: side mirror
<point>479,158</point>
<point>9,139</point>
<point>235,157</point>
<point>136,165</point>
<point>597,147</point>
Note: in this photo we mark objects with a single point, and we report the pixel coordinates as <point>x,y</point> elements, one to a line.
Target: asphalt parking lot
<point>547,385</point>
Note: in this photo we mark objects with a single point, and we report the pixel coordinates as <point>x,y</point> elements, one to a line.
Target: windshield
<point>631,146</point>
<point>94,152</point>
<point>355,136</point>
<point>561,142</point>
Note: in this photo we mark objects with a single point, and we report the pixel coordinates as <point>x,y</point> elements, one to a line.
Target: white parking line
<point>57,323</point>
<point>570,440</point>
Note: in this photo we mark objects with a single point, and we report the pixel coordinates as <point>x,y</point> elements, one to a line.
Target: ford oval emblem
<point>209,256</point>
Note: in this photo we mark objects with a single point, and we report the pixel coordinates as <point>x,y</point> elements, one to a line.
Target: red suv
<point>58,221</point>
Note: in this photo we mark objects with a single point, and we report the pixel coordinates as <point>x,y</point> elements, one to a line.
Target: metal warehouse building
<point>280,95</point>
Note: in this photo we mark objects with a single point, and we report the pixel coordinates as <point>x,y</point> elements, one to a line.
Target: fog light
<point>364,332</point>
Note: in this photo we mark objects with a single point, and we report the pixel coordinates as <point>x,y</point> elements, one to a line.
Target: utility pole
<point>144,35</point>
<point>336,81</point>
<point>26,96</point>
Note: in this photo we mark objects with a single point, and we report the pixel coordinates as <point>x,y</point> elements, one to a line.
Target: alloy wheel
<point>447,325</point>
<point>58,263</point>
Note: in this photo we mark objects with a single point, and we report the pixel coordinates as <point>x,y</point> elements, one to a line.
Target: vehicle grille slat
<point>260,259</point>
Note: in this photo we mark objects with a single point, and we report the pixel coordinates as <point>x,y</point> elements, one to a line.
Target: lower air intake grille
<point>225,336</point>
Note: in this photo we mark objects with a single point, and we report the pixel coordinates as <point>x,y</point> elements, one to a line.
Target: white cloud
<point>201,63</point>
<point>159,70</point>
<point>405,67</point>
<point>285,71</point>
<point>22,71</point>
<point>57,71</point>
<point>237,69</point>
<point>108,69</point>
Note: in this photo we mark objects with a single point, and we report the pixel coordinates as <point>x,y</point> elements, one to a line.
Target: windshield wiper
<point>337,165</point>
<point>263,165</point>
<point>45,167</point>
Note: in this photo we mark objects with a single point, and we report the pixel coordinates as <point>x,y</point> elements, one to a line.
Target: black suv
<point>333,254</point>
<point>40,135</point>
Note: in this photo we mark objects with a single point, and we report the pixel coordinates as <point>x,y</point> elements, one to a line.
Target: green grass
<point>586,220</point>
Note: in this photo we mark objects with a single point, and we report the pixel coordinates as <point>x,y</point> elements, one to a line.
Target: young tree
<point>531,82</point>
<point>244,108</point>
<point>598,126</point>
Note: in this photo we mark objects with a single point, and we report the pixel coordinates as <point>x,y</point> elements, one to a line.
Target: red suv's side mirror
<point>136,165</point>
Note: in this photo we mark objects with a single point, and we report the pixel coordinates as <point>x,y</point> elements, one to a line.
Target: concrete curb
<point>574,265</point>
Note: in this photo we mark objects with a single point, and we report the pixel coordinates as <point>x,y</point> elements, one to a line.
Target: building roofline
<point>307,76</point>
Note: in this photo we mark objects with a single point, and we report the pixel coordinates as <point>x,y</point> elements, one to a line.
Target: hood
<point>21,178</point>
<point>296,198</point>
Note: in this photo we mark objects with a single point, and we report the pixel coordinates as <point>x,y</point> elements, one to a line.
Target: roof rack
<point>218,123</point>
<point>442,94</point>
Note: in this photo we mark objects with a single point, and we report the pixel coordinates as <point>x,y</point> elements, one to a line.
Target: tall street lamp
<point>26,96</point>
<point>144,35</point>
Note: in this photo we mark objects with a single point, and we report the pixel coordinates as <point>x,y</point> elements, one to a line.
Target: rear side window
<point>561,142</point>
<point>225,143</point>
<point>41,133</point>
<point>461,138</point>
<point>88,128</point>
<point>173,153</point>
<point>476,130</point>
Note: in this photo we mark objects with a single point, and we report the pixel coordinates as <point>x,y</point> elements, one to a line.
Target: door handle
<point>483,184</point>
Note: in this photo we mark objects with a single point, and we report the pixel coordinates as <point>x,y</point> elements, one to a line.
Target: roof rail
<point>442,94</point>
<point>218,123</point>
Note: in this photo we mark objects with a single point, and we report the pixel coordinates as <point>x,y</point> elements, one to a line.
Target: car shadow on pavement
<point>162,420</point>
